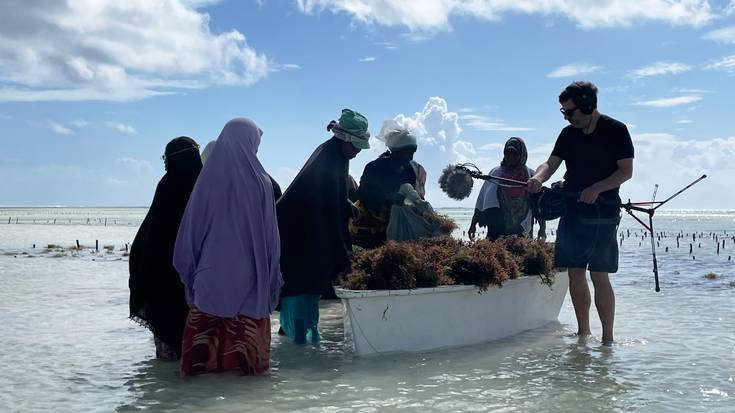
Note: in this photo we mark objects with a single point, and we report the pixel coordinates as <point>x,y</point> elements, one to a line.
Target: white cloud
<point>724,35</point>
<point>434,125</point>
<point>659,68</point>
<point>664,159</point>
<point>121,127</point>
<point>79,123</point>
<point>669,102</point>
<point>61,130</point>
<point>684,121</point>
<point>464,151</point>
<point>119,51</point>
<point>696,91</point>
<point>730,9</point>
<point>572,70</point>
<point>368,59</point>
<point>136,165</point>
<point>486,124</point>
<point>726,64</point>
<point>287,66</point>
<point>434,15</point>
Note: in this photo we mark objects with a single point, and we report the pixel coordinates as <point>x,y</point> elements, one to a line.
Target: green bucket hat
<point>353,128</point>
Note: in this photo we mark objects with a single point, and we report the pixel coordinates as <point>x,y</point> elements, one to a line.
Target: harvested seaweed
<point>430,262</point>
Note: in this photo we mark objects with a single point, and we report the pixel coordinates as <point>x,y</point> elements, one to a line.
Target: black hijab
<point>157,297</point>
<point>313,215</point>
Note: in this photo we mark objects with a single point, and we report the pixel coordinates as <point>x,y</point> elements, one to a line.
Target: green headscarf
<point>351,127</point>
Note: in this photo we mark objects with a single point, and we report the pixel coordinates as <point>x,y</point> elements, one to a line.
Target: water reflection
<point>527,372</point>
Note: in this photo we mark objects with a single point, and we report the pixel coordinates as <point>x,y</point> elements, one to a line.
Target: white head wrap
<point>396,136</point>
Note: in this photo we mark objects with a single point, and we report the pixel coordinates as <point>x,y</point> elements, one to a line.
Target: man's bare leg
<point>580,293</point>
<point>605,304</point>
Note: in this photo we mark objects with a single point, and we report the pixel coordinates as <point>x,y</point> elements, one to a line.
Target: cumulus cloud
<point>60,129</point>
<point>110,50</point>
<point>435,125</point>
<point>434,15</point>
<point>669,102</point>
<point>573,70</point>
<point>464,151</point>
<point>659,68</point>
<point>367,59</point>
<point>121,127</point>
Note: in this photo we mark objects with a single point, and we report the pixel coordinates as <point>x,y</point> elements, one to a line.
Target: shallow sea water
<point>68,345</point>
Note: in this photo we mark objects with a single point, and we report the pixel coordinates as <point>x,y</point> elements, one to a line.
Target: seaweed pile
<point>431,262</point>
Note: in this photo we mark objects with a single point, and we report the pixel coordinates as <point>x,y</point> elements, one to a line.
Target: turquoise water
<point>68,345</point>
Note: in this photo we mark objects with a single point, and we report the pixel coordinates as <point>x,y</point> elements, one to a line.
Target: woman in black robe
<point>380,184</point>
<point>313,214</point>
<point>157,298</point>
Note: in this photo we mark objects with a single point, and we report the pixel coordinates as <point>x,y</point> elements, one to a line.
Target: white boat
<point>381,321</point>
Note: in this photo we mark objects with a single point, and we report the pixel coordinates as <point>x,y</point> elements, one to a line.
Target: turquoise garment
<point>300,316</point>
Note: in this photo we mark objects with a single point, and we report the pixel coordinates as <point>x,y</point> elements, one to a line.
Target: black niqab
<point>157,298</point>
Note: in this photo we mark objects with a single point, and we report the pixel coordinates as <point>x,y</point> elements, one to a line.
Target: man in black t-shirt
<point>598,153</point>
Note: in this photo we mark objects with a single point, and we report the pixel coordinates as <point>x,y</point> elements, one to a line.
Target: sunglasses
<point>164,156</point>
<point>568,112</point>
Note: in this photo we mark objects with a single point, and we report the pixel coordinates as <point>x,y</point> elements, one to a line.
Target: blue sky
<point>91,91</point>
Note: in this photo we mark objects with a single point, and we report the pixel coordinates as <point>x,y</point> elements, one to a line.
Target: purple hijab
<point>228,249</point>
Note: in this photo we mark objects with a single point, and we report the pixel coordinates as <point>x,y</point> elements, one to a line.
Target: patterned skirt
<point>217,344</point>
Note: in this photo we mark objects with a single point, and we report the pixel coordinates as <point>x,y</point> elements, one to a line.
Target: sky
<point>91,90</point>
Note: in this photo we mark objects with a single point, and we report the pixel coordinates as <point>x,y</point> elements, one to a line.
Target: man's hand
<point>589,195</point>
<point>534,185</point>
<point>471,232</point>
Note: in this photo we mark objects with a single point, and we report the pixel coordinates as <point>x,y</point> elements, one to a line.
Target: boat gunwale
<point>344,293</point>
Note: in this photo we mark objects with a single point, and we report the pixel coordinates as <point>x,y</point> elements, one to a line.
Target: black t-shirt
<point>592,158</point>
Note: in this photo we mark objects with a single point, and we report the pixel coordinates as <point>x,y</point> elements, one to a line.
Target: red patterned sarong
<point>217,344</point>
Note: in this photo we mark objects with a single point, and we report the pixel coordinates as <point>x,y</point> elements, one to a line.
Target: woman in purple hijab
<point>227,255</point>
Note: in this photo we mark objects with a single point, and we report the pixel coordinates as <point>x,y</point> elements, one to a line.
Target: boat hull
<point>383,321</point>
